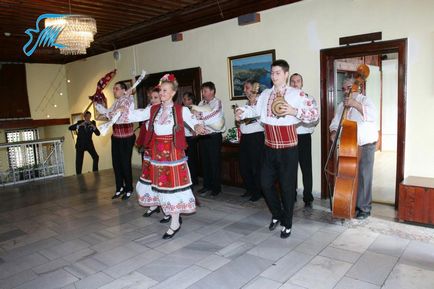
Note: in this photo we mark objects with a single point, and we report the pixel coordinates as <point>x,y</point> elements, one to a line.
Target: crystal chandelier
<point>77,33</point>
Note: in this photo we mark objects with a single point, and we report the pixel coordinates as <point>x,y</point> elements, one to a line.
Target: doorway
<point>333,60</point>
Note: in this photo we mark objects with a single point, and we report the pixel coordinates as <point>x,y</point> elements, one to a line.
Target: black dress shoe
<point>255,198</point>
<point>150,212</point>
<point>246,194</point>
<point>285,233</point>
<point>274,223</point>
<point>169,236</point>
<point>215,193</point>
<point>118,194</point>
<point>362,215</point>
<point>308,205</point>
<point>203,190</point>
<point>166,219</point>
<point>127,195</point>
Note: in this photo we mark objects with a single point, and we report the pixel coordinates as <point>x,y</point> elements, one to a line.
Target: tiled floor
<point>68,233</point>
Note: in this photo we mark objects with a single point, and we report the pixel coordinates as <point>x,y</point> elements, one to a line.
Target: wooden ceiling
<point>119,23</point>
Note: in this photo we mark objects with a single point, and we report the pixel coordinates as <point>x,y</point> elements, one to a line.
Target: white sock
<point>174,222</point>
<point>152,208</point>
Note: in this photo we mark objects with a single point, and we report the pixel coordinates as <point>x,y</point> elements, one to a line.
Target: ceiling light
<point>77,33</point>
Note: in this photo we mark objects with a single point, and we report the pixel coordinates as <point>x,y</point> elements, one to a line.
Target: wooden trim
<point>327,57</point>
<point>28,123</point>
<point>360,38</point>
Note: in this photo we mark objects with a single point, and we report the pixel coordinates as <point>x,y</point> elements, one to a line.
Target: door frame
<point>327,58</point>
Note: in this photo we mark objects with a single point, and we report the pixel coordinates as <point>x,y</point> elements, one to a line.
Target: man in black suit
<point>85,128</point>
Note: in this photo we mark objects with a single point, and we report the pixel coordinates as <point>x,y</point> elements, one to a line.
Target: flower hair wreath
<point>167,78</point>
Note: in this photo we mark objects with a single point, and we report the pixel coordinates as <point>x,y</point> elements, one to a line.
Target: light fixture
<point>77,33</point>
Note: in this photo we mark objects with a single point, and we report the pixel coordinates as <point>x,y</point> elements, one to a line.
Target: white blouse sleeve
<point>189,118</point>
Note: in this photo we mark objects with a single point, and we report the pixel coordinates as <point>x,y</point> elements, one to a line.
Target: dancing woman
<point>166,181</point>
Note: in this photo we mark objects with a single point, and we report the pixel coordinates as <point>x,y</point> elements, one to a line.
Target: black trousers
<point>122,150</point>
<point>251,157</point>
<point>192,158</point>
<point>80,155</point>
<point>210,151</point>
<point>305,161</point>
<point>280,164</point>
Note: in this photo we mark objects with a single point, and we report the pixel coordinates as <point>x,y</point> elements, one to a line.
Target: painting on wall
<point>75,117</point>
<point>256,66</point>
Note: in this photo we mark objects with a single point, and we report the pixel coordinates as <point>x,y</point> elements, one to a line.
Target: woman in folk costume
<point>166,181</point>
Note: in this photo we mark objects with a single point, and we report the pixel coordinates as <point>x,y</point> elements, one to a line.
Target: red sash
<point>280,137</point>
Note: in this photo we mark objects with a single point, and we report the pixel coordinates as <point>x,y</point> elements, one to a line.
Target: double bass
<point>345,189</point>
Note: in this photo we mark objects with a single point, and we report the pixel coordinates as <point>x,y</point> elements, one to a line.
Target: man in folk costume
<point>281,154</point>
<point>122,139</point>
<point>251,146</point>
<point>166,181</point>
<point>304,135</point>
<point>211,143</point>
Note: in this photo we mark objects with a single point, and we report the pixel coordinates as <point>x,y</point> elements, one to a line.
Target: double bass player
<point>362,110</point>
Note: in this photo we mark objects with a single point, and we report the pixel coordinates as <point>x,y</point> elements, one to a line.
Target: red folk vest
<point>178,127</point>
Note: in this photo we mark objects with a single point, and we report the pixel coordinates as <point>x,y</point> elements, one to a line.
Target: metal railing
<point>46,160</point>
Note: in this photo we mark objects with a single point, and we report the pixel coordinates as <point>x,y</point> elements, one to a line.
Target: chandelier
<point>77,33</point>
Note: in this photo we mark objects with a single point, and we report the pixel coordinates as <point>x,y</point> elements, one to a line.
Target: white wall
<point>390,100</point>
<point>297,32</point>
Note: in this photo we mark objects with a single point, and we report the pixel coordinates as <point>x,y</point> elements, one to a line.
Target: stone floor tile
<point>93,281</point>
<point>133,280</point>
<point>17,279</point>
<point>274,248</point>
<point>56,279</point>
<point>287,266</point>
<point>419,254</point>
<point>184,279</point>
<point>320,273</point>
<point>243,227</point>
<point>133,264</point>
<point>340,254</point>
<point>64,249</point>
<point>235,274</point>
<point>223,237</point>
<point>213,262</point>
<point>79,255</point>
<point>11,235</point>
<point>289,285</point>
<point>347,283</point>
<point>50,266</point>
<point>405,277</point>
<point>389,245</point>
<point>261,283</point>
<point>85,267</point>
<point>372,267</point>
<point>357,240</point>
<point>21,264</point>
<point>235,250</point>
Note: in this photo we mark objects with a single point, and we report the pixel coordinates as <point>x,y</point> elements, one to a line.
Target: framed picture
<point>76,117</point>
<point>255,66</point>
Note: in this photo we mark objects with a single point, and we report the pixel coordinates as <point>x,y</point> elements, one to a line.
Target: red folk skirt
<point>165,179</point>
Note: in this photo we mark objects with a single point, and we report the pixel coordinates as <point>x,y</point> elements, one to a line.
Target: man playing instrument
<point>304,132</point>
<point>281,154</point>
<point>363,111</point>
<point>211,143</point>
<point>251,146</point>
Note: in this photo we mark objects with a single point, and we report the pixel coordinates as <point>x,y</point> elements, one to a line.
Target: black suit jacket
<point>84,133</point>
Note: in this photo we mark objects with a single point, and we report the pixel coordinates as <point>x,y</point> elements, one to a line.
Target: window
<point>23,155</point>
